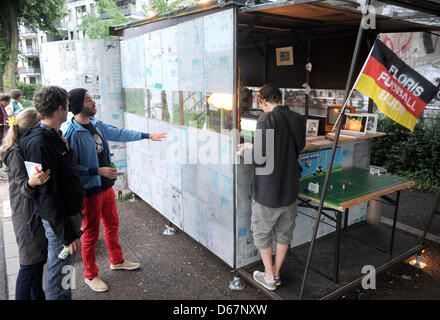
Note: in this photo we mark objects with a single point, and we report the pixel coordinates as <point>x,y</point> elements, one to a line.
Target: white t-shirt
<point>13,108</point>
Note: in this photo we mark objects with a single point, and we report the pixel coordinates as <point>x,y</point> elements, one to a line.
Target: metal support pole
<point>434,212</point>
<point>346,219</point>
<point>236,283</point>
<point>337,247</point>
<point>324,189</point>
<point>306,109</point>
<point>396,209</point>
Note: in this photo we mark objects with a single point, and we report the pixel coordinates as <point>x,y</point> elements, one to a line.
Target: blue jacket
<point>85,156</point>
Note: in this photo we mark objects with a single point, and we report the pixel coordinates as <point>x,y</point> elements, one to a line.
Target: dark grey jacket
<point>32,249</point>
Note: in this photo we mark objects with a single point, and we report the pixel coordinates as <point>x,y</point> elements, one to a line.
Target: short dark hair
<point>5,97</point>
<point>15,94</point>
<point>270,93</point>
<point>48,99</point>
<point>246,98</point>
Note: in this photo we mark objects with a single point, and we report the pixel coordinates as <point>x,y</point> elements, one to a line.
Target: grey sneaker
<point>259,277</point>
<point>277,280</point>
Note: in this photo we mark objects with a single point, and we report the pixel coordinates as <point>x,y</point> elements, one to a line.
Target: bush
<point>26,103</point>
<point>414,155</point>
<point>27,90</point>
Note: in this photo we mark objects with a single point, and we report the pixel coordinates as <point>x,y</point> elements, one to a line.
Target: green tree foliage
<point>41,14</point>
<point>161,6</point>
<point>415,155</point>
<point>96,26</point>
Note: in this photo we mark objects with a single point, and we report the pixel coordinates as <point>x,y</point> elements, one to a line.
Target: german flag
<point>399,91</point>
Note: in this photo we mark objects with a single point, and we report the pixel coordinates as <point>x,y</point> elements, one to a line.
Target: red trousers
<point>100,207</point>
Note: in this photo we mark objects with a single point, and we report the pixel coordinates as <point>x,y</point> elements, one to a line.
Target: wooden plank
<point>358,138</point>
<point>314,12</point>
<point>311,146</point>
<point>328,205</point>
<point>370,196</point>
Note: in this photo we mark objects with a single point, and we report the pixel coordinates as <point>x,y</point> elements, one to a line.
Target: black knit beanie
<point>76,100</point>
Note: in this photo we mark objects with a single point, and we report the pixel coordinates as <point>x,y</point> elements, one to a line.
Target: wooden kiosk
<point>182,73</point>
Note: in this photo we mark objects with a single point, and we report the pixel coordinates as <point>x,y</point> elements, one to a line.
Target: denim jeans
<point>30,282</point>
<point>60,275</point>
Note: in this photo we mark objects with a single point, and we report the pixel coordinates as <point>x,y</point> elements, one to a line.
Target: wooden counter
<point>326,142</point>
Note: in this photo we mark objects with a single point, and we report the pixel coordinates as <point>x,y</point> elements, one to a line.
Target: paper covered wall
<point>94,65</point>
<point>182,177</point>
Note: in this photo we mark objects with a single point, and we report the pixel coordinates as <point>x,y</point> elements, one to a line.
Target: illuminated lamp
<point>417,262</point>
<point>221,101</point>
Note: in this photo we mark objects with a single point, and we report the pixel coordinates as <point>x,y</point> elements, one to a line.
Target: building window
<point>28,46</point>
<point>32,80</point>
<point>71,35</point>
<point>80,13</point>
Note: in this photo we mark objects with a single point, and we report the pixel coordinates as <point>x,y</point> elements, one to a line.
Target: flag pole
<point>324,190</point>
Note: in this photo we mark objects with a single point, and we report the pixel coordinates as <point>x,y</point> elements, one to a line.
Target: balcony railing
<point>29,70</point>
<point>61,25</point>
<point>26,30</point>
<point>29,51</point>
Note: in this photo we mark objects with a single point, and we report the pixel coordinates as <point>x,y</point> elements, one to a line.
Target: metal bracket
<point>418,259</point>
<point>170,231</point>
<point>236,284</point>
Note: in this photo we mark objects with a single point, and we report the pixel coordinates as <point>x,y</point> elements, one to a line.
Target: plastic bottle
<point>112,164</point>
<point>65,253</point>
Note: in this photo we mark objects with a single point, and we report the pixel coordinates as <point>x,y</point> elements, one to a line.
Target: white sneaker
<point>96,284</point>
<point>126,265</point>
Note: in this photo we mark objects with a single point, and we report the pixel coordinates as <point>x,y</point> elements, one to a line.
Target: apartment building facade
<point>30,39</point>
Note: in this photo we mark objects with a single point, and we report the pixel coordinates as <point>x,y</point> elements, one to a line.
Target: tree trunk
<point>12,39</point>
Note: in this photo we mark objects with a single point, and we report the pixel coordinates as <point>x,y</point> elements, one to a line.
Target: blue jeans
<point>60,275</point>
<point>30,282</point>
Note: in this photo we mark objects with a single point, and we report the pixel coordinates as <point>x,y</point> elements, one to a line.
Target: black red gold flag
<point>399,91</point>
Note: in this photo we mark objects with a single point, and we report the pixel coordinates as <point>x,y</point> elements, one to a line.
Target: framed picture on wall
<point>284,56</point>
<point>312,128</point>
<point>372,123</point>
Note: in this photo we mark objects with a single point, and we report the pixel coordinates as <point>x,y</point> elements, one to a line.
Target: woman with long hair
<point>28,228</point>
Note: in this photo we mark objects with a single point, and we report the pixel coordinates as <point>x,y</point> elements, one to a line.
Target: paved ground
<point>178,268</point>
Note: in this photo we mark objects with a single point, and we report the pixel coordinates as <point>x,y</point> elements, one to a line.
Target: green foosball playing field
<point>347,184</point>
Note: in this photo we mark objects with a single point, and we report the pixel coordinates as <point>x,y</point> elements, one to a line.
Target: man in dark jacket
<point>59,201</point>
<point>275,181</point>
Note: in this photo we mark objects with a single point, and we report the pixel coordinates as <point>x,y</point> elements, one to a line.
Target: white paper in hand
<point>32,167</point>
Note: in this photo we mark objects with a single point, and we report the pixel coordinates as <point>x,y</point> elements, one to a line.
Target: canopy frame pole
<point>335,143</point>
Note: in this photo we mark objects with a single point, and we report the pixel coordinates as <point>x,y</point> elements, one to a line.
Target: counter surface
<point>351,186</point>
<point>326,142</point>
